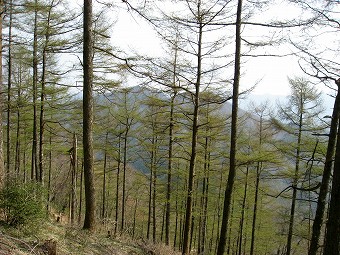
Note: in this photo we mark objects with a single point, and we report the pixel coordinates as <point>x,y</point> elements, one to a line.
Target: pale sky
<point>131,33</point>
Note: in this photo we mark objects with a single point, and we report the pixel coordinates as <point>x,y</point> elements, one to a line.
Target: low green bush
<point>22,204</point>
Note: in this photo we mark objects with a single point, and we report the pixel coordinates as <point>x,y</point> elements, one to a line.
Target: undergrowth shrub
<point>22,204</point>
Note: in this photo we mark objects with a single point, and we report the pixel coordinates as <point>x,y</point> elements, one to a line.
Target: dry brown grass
<point>75,241</point>
<point>69,241</point>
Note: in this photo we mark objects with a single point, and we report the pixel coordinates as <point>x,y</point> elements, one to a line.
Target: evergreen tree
<point>233,133</point>
<point>301,114</point>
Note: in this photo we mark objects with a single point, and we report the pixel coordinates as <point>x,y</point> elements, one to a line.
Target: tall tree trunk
<point>134,218</point>
<point>171,141</point>
<point>103,213</point>
<point>295,182</point>
<point>193,220</point>
<point>148,231</point>
<point>218,211</point>
<point>152,190</point>
<point>43,96</point>
<point>122,223</point>
<point>9,87</point>
<point>117,184</point>
<point>332,239</point>
<point>170,158</point>
<point>2,166</point>
<point>321,206</point>
<point>17,136</point>
<point>233,135</point>
<point>163,222</point>
<point>34,167</point>
<point>90,219</point>
<point>49,175</point>
<point>176,215</point>
<point>188,212</point>
<point>24,155</point>
<point>243,213</point>
<point>256,196</point>
<point>204,199</point>
<point>42,112</point>
<point>81,192</point>
<point>229,245</point>
<point>182,219</point>
<point>74,157</point>
<point>168,187</point>
<point>154,179</point>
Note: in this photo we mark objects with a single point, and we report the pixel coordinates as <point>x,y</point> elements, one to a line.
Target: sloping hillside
<point>55,238</point>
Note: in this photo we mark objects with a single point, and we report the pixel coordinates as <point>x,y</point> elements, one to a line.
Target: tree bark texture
<point>169,177</point>
<point>189,203</point>
<point>90,220</point>
<point>170,152</point>
<point>321,205</point>
<point>2,166</point>
<point>34,167</point>
<point>43,96</point>
<point>332,239</point>
<point>74,157</point>
<point>243,211</point>
<point>233,137</point>
<point>117,183</point>
<point>122,223</point>
<point>295,182</point>
<point>103,211</point>
<point>9,87</point>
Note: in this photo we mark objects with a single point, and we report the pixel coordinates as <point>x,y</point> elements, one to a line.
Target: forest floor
<point>66,240</point>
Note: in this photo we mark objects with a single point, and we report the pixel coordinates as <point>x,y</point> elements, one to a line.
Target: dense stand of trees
<point>157,148</point>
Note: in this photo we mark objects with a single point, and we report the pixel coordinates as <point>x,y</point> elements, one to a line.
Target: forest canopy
<point>150,141</point>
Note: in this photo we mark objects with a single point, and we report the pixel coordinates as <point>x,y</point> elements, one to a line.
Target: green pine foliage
<point>23,204</point>
<point>132,140</point>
